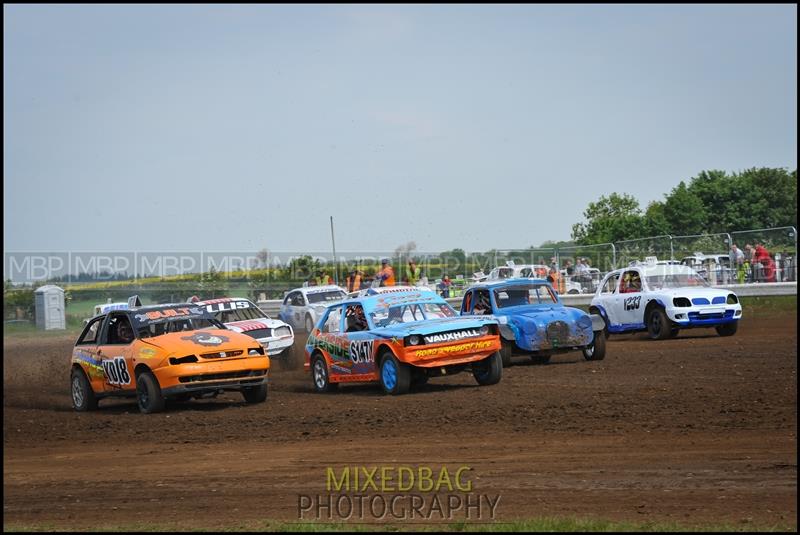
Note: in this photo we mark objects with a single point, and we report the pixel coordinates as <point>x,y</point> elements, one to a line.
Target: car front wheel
<point>255,394</point>
<point>309,325</point>
<point>395,375</point>
<point>148,394</point>
<point>728,329</point>
<point>658,324</point>
<point>597,349</point>
<point>83,398</point>
<point>489,371</point>
<point>506,350</point>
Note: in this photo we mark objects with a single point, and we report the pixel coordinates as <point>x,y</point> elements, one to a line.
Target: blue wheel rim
<point>389,374</point>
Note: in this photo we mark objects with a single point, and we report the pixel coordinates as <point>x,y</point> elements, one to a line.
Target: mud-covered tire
<point>320,376</point>
<point>597,349</point>
<point>658,324</point>
<point>418,378</point>
<point>542,358</point>
<point>488,371</point>
<point>506,350</point>
<point>395,376</point>
<point>728,329</point>
<point>255,394</point>
<point>148,394</point>
<point>83,398</point>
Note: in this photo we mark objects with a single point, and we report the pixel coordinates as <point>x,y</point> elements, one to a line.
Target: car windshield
<point>679,280</point>
<point>176,326</point>
<point>326,297</point>
<point>156,322</point>
<point>409,313</point>
<point>528,294</point>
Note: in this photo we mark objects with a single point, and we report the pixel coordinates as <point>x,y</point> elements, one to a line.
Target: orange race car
<point>163,352</point>
<point>400,336</point>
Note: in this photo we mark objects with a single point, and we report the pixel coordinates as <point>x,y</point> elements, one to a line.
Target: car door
<point>606,298</point>
<point>360,342</point>
<point>629,302</point>
<point>115,353</point>
<point>87,353</point>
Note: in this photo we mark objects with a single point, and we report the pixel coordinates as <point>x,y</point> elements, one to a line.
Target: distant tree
<point>613,218</point>
<point>262,257</point>
<point>685,212</point>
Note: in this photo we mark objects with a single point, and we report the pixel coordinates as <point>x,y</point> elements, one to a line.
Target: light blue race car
<point>534,322</point>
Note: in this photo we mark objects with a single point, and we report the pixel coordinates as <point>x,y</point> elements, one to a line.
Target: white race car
<point>244,316</point>
<point>663,299</point>
<point>303,306</point>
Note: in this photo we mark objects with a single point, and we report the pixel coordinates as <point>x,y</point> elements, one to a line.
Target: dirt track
<point>693,430</point>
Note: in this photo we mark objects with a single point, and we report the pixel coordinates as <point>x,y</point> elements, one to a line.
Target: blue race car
<point>534,322</point>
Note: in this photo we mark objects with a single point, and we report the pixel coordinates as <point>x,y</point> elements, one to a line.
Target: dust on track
<point>692,430</point>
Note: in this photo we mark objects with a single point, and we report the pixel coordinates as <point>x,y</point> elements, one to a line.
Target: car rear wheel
<point>319,374</point>
<point>728,329</point>
<point>309,325</point>
<point>597,349</point>
<point>83,398</point>
<point>658,324</point>
<point>255,394</point>
<point>489,371</point>
<point>395,375</point>
<point>148,394</point>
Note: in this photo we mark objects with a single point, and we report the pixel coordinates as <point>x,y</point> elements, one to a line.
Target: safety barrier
<point>272,307</point>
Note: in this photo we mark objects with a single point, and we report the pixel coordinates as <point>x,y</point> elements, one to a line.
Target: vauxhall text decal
<point>452,336</point>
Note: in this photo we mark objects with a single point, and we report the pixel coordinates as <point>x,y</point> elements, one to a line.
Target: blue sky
<point>233,128</point>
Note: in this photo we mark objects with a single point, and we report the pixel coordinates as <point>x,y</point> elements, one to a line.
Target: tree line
<point>711,202</point>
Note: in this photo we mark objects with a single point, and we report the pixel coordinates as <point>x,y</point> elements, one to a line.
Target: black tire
<point>148,394</point>
<point>320,376</point>
<point>728,329</point>
<point>593,310</point>
<point>674,333</point>
<point>658,324</point>
<point>597,349</point>
<point>418,378</point>
<point>506,350</point>
<point>395,376</point>
<point>542,358</point>
<point>308,324</point>
<point>255,394</point>
<point>83,398</point>
<point>489,371</point>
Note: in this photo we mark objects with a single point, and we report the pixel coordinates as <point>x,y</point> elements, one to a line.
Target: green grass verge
<point>536,525</point>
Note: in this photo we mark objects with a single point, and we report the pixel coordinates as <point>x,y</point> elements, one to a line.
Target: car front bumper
<point>704,316</point>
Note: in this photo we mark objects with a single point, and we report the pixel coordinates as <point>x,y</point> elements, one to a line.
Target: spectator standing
<point>444,286</point>
<point>386,273</point>
<point>414,273</point>
<point>761,256</point>
<point>737,259</point>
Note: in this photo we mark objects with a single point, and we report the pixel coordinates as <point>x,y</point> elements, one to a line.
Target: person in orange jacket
<point>386,274</point>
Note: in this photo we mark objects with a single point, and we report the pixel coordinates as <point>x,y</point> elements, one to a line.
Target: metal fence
<point>737,257</point>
